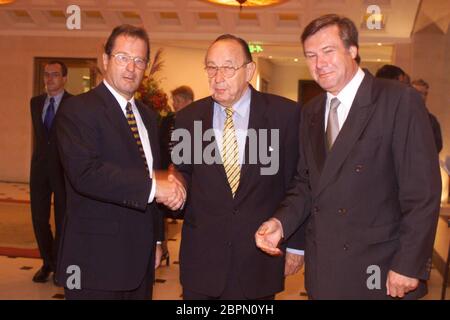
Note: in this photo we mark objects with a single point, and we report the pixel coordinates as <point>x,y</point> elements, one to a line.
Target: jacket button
<point>316,209</point>
<point>359,168</point>
<point>345,247</point>
<point>229,244</point>
<point>342,211</point>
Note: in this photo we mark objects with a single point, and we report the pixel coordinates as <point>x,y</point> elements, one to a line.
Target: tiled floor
<point>16,273</point>
<point>14,192</point>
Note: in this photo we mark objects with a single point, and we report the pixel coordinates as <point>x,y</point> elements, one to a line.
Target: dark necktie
<point>49,115</point>
<point>134,130</point>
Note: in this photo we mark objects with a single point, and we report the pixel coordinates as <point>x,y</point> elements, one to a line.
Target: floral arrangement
<point>150,92</point>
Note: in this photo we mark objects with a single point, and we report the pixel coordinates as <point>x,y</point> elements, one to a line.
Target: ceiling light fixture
<point>246,3</point>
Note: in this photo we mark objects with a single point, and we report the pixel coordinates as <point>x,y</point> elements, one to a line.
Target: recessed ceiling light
<point>378,60</point>
<point>379,44</point>
<point>296,60</point>
<point>270,57</point>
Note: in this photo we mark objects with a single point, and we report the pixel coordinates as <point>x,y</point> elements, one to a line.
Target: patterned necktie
<point>230,153</point>
<point>134,129</point>
<point>49,115</point>
<point>333,123</point>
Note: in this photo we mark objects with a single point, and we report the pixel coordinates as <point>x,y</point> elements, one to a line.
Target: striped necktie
<point>230,153</point>
<point>134,129</point>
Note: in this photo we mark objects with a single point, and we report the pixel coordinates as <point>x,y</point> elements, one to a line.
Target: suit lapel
<point>317,133</point>
<point>152,133</point>
<point>65,96</point>
<point>358,117</point>
<point>257,120</point>
<point>207,124</point>
<point>115,114</point>
<point>38,116</point>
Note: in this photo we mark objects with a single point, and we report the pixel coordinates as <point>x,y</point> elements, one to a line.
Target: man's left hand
<point>398,285</point>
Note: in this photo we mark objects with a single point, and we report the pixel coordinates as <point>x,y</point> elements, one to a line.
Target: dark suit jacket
<point>46,166</point>
<point>374,197</point>
<point>436,131</point>
<point>109,230</point>
<point>218,231</point>
<point>166,127</point>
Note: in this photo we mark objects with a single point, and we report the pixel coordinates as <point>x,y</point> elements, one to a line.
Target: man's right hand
<point>170,191</point>
<point>269,236</point>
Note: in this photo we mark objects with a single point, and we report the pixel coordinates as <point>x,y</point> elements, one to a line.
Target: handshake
<point>170,188</point>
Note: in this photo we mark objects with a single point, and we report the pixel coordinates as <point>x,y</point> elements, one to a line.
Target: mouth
<point>219,90</point>
<point>324,75</point>
<point>129,78</point>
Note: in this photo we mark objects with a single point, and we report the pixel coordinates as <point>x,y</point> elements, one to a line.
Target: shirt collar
<point>57,98</point>
<point>120,99</point>
<point>242,106</point>
<point>348,93</point>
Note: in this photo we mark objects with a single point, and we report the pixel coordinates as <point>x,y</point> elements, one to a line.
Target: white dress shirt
<point>346,97</point>
<point>143,134</point>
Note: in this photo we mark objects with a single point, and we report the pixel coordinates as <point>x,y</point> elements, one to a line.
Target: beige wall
<point>183,66</point>
<point>16,87</point>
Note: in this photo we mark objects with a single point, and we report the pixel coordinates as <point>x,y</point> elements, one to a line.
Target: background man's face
<point>227,91</point>
<point>331,64</point>
<point>179,102</point>
<point>53,79</point>
<point>125,79</point>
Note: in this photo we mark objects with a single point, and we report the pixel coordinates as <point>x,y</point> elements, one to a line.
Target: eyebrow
<point>226,61</point>
<point>328,47</point>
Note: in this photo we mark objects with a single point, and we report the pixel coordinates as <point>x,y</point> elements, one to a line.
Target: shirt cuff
<point>295,251</point>
<point>153,190</point>
<point>158,242</point>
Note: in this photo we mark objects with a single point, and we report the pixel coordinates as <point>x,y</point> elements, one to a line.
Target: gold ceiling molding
<point>246,3</point>
<point>6,1</point>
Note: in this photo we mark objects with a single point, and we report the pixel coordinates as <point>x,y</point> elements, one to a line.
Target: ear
<point>250,71</point>
<point>353,51</point>
<point>105,61</point>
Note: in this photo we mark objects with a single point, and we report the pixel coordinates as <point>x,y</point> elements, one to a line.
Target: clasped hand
<point>170,189</point>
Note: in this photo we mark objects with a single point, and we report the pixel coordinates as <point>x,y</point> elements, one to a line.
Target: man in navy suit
<point>110,151</point>
<point>46,174</point>
<point>229,198</point>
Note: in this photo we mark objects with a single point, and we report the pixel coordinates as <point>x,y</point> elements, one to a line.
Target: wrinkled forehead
<point>327,36</point>
<point>225,52</point>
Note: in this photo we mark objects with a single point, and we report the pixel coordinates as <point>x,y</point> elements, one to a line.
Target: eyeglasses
<point>123,59</point>
<point>52,74</point>
<point>227,71</point>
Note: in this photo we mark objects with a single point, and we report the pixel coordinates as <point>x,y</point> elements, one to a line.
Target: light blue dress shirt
<point>57,98</point>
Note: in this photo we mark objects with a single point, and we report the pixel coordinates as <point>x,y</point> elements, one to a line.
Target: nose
<point>131,65</point>
<point>321,61</point>
<point>219,76</point>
